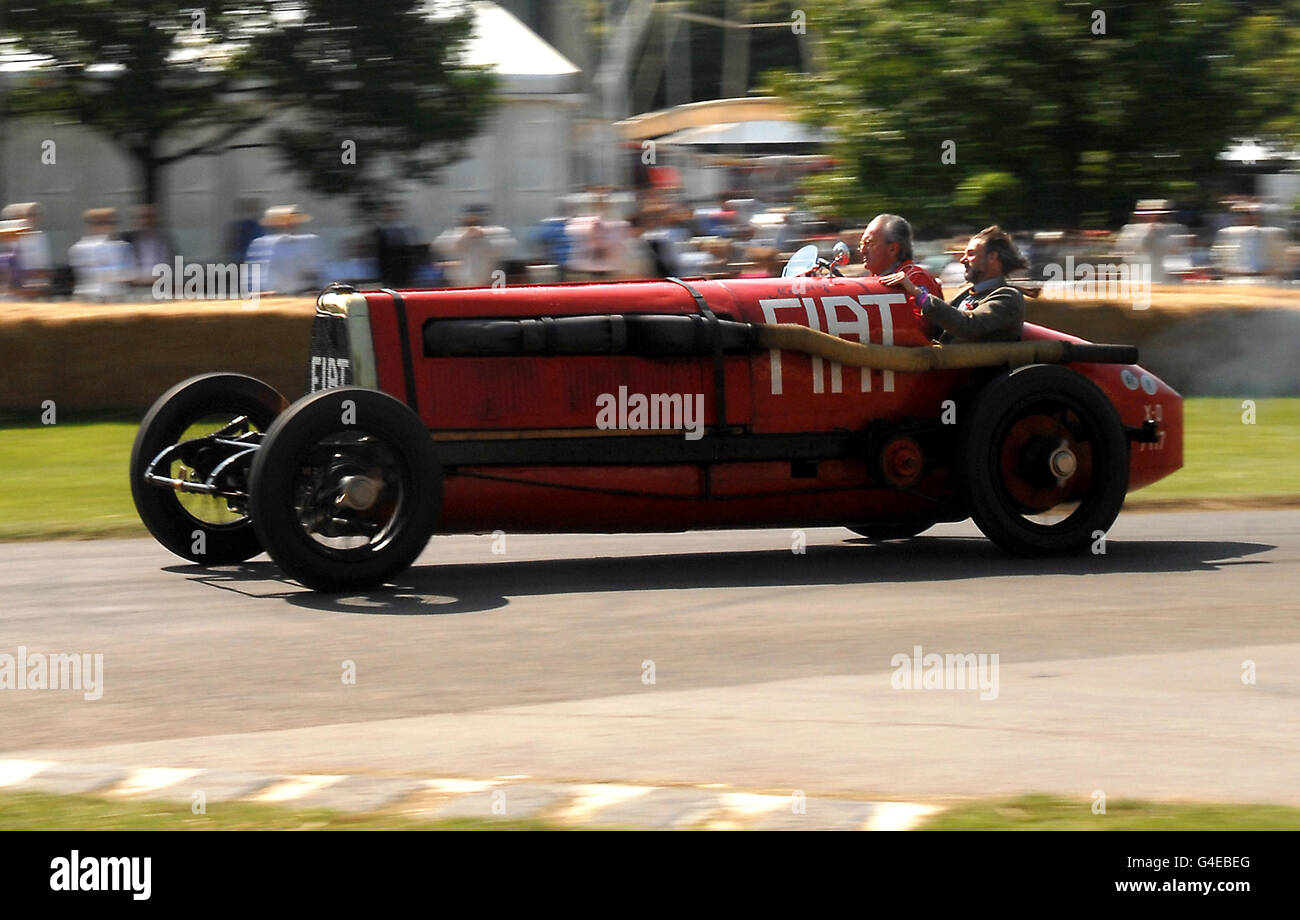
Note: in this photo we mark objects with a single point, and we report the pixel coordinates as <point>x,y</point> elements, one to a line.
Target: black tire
<point>880,532</point>
<point>173,523</point>
<point>298,482</point>
<point>1006,460</point>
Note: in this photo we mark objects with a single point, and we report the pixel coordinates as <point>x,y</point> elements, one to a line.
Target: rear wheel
<point>1045,461</point>
<point>204,528</point>
<point>346,489</point>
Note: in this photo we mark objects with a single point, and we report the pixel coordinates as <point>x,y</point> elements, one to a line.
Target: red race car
<point>800,401</point>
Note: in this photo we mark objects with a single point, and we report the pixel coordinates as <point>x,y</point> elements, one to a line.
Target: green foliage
<point>385,78</point>
<point>1086,115</point>
<point>1267,45</point>
<point>165,83</point>
<point>139,72</point>
<point>990,193</point>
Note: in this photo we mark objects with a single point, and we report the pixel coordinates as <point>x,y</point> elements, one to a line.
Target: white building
<point>520,165</point>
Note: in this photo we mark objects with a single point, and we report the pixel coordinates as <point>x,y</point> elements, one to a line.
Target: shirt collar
<point>987,284</point>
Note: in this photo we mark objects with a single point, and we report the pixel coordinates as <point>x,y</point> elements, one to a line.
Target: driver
<point>989,310</point>
<point>886,248</point>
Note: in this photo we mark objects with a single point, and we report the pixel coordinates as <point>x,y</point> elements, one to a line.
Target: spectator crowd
<point>595,235</point>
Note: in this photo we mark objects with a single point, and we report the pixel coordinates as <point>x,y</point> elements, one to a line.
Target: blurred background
<point>439,142</point>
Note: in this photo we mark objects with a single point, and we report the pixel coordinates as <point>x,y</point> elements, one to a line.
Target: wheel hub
<point>358,492</point>
<point>1044,464</point>
<point>1063,463</point>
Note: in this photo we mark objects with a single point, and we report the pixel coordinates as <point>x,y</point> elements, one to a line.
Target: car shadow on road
<point>480,587</point>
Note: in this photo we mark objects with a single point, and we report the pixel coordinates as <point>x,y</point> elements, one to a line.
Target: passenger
<point>989,310</point>
<point>886,247</point>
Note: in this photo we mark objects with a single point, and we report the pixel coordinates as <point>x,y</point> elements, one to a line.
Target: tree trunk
<point>152,177</point>
<point>150,172</point>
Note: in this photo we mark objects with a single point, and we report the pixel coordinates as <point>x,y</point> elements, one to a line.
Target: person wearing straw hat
<point>101,263</point>
<point>289,261</point>
<point>989,309</point>
<point>10,230</point>
<point>32,265</point>
<point>1149,238</point>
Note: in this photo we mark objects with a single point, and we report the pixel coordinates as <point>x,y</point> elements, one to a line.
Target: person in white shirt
<point>10,230</point>
<point>289,263</point>
<point>101,264</point>
<point>599,243</point>
<point>1149,239</point>
<point>32,262</point>
<point>1248,250</point>
<point>474,253</point>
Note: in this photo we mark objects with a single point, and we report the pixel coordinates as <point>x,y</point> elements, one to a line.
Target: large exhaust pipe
<point>792,337</point>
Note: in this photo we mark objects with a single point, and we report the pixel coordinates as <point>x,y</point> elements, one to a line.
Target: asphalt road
<point>772,669</point>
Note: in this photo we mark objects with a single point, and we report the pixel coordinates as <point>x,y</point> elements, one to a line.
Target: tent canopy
<point>747,134</point>
<point>523,61</point>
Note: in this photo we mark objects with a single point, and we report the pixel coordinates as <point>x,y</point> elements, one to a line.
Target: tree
<point>382,80</point>
<point>1086,112</point>
<point>165,84</point>
<point>1267,45</point>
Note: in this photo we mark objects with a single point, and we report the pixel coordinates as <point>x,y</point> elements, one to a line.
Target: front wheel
<point>191,418</point>
<point>346,489</point>
<point>1045,461</point>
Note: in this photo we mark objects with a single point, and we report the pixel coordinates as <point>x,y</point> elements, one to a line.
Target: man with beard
<point>989,310</point>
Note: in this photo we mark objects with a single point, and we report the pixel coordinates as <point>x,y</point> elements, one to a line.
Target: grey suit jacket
<point>997,316</point>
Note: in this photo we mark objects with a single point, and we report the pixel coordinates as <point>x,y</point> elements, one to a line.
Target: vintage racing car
<point>666,405</point>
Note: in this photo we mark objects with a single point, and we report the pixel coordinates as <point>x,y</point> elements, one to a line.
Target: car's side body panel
<point>528,448</point>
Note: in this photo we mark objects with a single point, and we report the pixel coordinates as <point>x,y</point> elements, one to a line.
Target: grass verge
<point>40,811</point>
<point>69,481</point>
<point>1224,456</point>
<point>1048,813</point>
<point>35,811</point>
